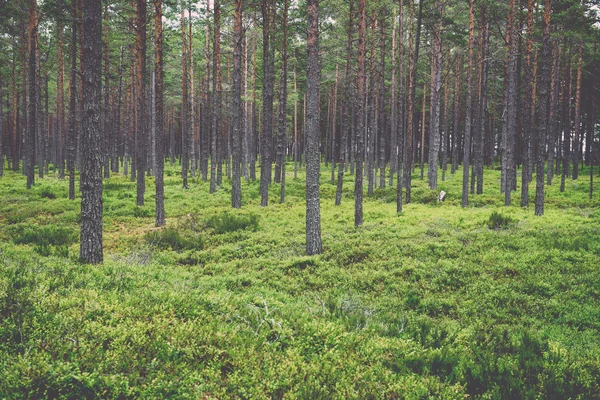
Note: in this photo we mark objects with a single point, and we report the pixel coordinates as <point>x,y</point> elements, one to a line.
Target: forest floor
<point>436,302</point>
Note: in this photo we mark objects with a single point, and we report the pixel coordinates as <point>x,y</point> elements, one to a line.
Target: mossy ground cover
<point>436,302</point>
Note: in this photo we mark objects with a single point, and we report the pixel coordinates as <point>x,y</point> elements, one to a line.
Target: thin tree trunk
<point>160,136</point>
<point>313,213</point>
<point>236,191</point>
<point>576,153</point>
<point>33,68</point>
<point>553,113</point>
<point>105,126</point>
<point>436,87</point>
<point>467,143</point>
<point>268,81</point>
<point>358,181</point>
<point>73,106</point>
<point>542,115</point>
<point>185,134</point>
<point>141,137</point>
<point>282,123</point>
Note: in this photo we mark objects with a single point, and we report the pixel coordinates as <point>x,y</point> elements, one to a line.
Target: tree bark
<point>436,87</point>
<point>33,70</point>
<point>542,115</point>
<point>359,157</point>
<point>91,169</point>
<point>282,129</point>
<point>268,82</point>
<point>236,191</point>
<point>185,116</point>
<point>313,209</point>
<point>160,136</point>
<point>141,138</point>
<point>73,106</point>
<point>467,142</point>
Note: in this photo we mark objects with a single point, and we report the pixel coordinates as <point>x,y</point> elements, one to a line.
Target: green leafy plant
<point>499,221</point>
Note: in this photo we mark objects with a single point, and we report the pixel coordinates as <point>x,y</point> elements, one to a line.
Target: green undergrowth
<point>434,302</point>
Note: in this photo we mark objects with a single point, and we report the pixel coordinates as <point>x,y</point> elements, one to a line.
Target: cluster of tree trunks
<point>370,118</point>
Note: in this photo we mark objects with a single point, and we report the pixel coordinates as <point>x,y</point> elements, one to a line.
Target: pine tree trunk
<point>359,157</point>
<point>73,107</point>
<point>236,191</point>
<point>282,119</point>
<point>313,213</point>
<point>268,82</point>
<point>526,115</point>
<point>553,113</point>
<point>32,70</point>
<point>467,142</point>
<point>185,134</point>
<point>60,101</point>
<point>510,114</point>
<point>542,114</point>
<point>576,153</point>
<point>141,138</point>
<point>91,166</point>
<point>106,139</point>
<point>436,87</point>
<point>160,136</point>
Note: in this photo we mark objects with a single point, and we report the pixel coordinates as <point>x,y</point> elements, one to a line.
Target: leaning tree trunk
<point>313,209</point>
<point>91,165</point>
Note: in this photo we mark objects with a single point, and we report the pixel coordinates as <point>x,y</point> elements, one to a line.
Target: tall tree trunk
<point>359,157</point>
<point>185,116</point>
<point>381,131</point>
<point>393,108</point>
<point>73,106</point>
<point>33,70</point>
<point>282,131</point>
<point>346,125</point>
<point>207,129</point>
<point>91,168</point>
<point>436,87</point>
<point>542,115</point>
<point>482,106</point>
<point>268,81</point>
<point>106,139</point>
<point>412,83</point>
<point>141,138</point>
<point>576,153</point>
<point>566,122</point>
<point>216,167</point>
<point>60,101</point>
<point>553,113</point>
<point>313,209</point>
<point>236,190</point>
<point>510,114</point>
<point>527,115</point>
<point>401,131</point>
<point>160,136</point>
<point>468,121</point>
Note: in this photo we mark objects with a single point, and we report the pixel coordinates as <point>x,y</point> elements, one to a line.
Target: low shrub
<point>499,221</point>
<point>175,238</point>
<point>44,235</point>
<point>227,222</point>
